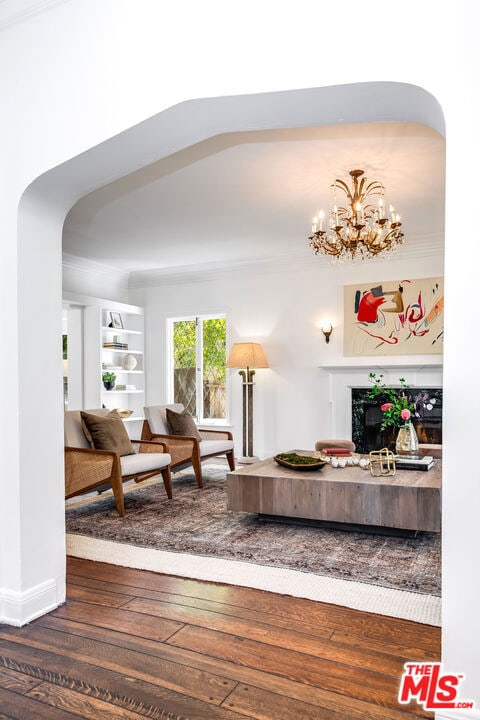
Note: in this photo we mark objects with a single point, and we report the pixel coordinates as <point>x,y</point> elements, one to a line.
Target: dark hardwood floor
<point>132,644</point>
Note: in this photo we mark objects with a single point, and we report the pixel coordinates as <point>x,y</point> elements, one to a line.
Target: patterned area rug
<point>198,522</point>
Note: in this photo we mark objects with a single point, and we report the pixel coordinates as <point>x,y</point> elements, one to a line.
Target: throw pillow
<point>182,424</point>
<point>106,432</point>
<point>86,431</point>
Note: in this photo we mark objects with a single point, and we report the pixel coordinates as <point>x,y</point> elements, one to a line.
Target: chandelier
<point>359,230</point>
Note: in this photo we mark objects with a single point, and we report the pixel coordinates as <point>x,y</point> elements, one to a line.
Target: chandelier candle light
<point>359,230</point>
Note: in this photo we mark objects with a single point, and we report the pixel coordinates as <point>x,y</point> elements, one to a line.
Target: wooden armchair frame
<point>87,469</point>
<point>185,450</point>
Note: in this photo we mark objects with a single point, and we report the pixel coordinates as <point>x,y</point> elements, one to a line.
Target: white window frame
<point>199,367</point>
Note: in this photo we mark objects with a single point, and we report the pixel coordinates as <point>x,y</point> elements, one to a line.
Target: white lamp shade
<point>247,355</point>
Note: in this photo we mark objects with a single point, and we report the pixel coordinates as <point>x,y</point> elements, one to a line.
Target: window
<point>197,362</point>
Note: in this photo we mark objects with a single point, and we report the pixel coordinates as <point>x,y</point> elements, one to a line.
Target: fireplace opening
<point>367,418</point>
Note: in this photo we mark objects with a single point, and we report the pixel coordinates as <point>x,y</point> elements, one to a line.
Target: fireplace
<point>367,418</point>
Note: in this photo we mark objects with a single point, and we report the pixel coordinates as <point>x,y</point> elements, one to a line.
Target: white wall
<point>83,71</point>
<point>282,307</point>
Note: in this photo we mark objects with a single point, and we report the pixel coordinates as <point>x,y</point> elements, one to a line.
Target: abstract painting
<point>396,317</point>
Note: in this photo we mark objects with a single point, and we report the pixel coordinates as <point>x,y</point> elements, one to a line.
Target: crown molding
<point>419,247</point>
<point>17,11</point>
<point>73,263</point>
<point>205,272</point>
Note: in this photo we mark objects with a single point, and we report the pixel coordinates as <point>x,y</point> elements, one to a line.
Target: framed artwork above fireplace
<point>394,317</point>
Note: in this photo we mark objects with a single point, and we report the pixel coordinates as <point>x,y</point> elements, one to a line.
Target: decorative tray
<point>293,461</point>
<point>123,412</point>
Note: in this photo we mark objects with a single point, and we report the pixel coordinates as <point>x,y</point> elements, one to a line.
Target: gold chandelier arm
<point>343,186</point>
<point>374,187</point>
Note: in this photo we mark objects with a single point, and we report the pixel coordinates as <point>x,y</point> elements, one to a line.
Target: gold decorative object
<point>359,230</point>
<point>407,440</point>
<point>124,413</point>
<point>382,463</point>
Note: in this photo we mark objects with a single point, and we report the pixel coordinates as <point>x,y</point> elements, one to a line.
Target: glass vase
<point>407,440</point>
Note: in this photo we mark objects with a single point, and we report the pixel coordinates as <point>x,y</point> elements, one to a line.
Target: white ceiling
<point>244,197</point>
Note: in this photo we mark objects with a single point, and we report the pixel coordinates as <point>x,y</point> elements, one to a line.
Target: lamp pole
<point>247,411</point>
<point>250,374</point>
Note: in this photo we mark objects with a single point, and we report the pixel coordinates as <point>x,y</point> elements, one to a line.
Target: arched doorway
<point>41,556</point>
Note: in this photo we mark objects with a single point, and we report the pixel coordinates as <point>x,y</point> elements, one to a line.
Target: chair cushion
<point>143,462</point>
<point>182,424</point>
<point>107,433</point>
<point>215,447</point>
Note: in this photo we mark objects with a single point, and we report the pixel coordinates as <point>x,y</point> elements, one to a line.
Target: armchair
<point>187,450</point>
<point>88,469</point>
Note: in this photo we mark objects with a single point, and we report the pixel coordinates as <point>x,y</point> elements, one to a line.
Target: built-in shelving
<point>122,392</point>
<point>123,351</point>
<point>118,331</point>
<point>98,359</point>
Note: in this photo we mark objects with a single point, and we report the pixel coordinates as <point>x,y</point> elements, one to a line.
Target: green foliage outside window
<point>184,354</point>
<point>203,396</point>
<point>214,349</point>
<point>214,346</point>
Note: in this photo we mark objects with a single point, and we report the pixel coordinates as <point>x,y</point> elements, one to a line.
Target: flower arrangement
<point>398,410</point>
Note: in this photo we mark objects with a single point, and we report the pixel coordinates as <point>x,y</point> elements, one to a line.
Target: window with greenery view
<point>198,362</point>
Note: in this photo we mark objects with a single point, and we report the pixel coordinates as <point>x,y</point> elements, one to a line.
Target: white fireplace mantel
<point>342,378</point>
<point>377,367</point>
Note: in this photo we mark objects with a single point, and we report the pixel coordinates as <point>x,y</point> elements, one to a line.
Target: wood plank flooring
<point>131,644</point>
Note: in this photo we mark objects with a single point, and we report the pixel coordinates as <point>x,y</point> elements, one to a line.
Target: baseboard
<point>20,608</point>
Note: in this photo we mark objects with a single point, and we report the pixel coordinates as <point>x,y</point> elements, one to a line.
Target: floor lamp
<point>247,356</point>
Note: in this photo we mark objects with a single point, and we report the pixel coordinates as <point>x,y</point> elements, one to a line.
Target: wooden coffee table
<point>410,500</point>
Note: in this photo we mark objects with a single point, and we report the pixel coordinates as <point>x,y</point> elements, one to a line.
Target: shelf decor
<point>121,353</point>
<point>129,362</point>
<point>116,320</point>
<point>109,380</point>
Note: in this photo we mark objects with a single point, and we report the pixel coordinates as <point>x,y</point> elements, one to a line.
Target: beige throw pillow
<point>182,424</point>
<point>106,432</point>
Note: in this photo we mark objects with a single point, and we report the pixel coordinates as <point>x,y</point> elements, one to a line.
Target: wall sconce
<point>327,331</point>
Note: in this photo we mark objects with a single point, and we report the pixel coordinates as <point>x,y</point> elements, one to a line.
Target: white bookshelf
<point>98,358</point>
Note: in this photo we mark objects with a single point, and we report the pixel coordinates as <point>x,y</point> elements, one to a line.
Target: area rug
<point>196,524</point>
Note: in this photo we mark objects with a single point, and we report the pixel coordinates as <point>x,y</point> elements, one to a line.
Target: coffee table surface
<point>411,499</point>
<point>353,473</point>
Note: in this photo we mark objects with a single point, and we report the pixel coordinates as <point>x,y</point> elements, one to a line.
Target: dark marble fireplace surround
<point>367,418</point>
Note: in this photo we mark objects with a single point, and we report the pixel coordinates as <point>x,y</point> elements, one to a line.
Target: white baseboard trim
<point>458,715</point>
<point>20,608</point>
